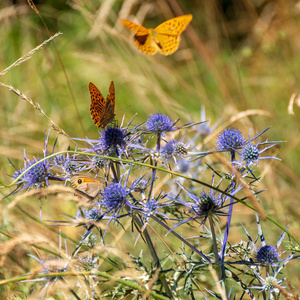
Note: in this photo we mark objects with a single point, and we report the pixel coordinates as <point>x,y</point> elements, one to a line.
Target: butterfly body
<point>86,185</point>
<point>165,38</point>
<point>102,112</point>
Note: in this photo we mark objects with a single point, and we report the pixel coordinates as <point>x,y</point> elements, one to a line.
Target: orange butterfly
<point>165,38</point>
<point>102,111</point>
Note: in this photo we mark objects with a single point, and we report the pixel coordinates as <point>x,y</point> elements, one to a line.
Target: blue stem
<point>155,164</point>
<point>226,233</point>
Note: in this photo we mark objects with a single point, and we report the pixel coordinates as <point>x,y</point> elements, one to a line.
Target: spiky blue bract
<point>159,123</point>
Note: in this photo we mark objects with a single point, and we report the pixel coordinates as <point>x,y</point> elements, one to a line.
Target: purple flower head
<point>113,138</point>
<point>114,195</point>
<point>267,254</point>
<point>152,207</point>
<point>173,149</point>
<point>37,176</point>
<point>207,205</point>
<point>180,148</point>
<point>67,163</point>
<point>251,154</point>
<point>230,139</point>
<point>159,123</point>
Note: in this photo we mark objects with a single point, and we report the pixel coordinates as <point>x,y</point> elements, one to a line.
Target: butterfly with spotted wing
<point>102,112</point>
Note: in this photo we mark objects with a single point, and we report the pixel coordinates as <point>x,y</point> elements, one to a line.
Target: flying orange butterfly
<point>165,38</point>
<point>102,112</point>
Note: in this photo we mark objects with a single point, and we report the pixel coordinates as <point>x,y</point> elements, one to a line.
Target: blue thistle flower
<point>230,139</point>
<point>113,138</point>
<point>250,154</point>
<point>159,123</point>
<point>114,195</point>
<point>94,214</point>
<point>39,175</point>
<point>267,283</point>
<point>267,254</point>
<point>180,148</point>
<point>206,205</point>
<point>67,163</point>
<point>151,208</point>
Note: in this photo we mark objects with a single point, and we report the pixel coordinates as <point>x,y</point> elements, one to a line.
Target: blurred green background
<point>235,56</point>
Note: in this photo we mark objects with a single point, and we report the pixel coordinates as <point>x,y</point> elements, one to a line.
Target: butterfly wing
<point>111,96</point>
<point>174,26</point>
<point>167,35</point>
<point>85,185</point>
<point>97,104</point>
<point>109,111</point>
<point>141,30</point>
<point>142,38</point>
<point>166,44</point>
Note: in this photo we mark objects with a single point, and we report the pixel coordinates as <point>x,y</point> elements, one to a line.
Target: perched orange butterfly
<point>102,111</point>
<point>165,38</point>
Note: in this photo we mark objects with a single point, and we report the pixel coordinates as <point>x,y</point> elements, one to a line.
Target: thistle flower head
<point>267,254</point>
<point>113,138</point>
<point>206,205</point>
<point>269,283</point>
<point>180,148</point>
<point>99,162</point>
<point>67,163</point>
<point>159,123</point>
<point>230,139</point>
<point>54,265</point>
<point>152,207</point>
<point>94,214</point>
<point>250,152</point>
<point>114,195</point>
<point>37,176</point>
